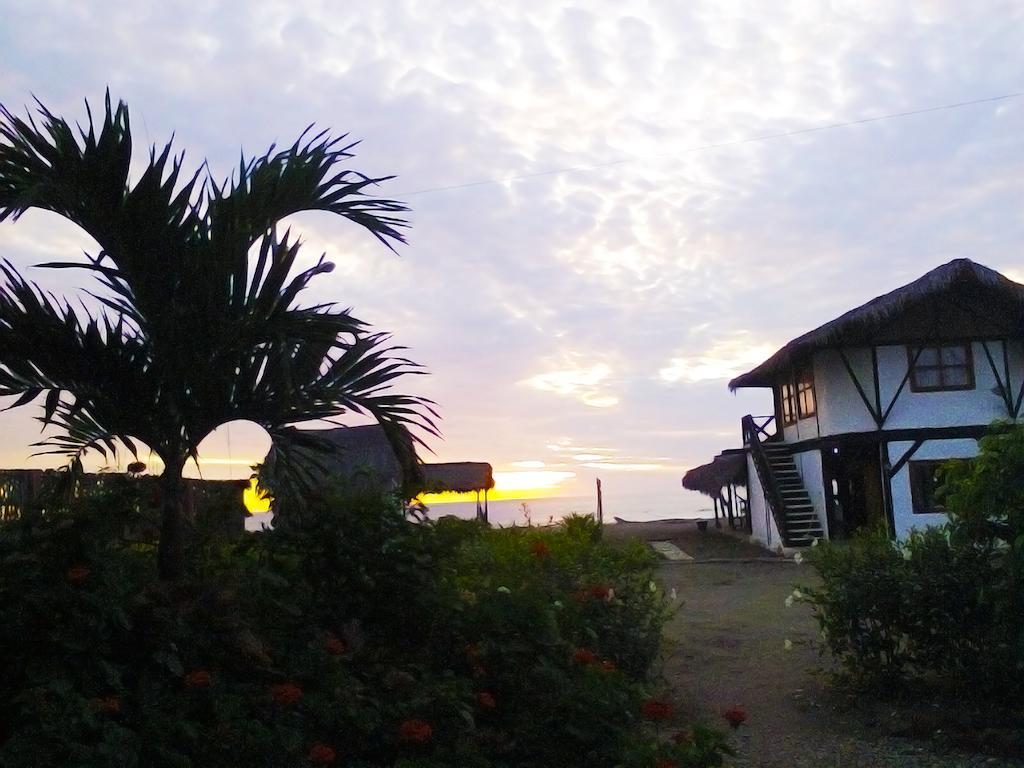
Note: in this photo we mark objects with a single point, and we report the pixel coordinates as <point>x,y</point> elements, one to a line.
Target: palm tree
<point>196,322</point>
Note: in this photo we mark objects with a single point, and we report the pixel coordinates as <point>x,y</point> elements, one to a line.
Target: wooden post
<point>486,511</point>
<point>600,505</point>
<point>718,523</point>
<point>732,512</point>
<point>479,510</point>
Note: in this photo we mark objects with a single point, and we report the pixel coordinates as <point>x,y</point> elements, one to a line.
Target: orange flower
<point>735,716</point>
<point>415,731</point>
<point>285,693</point>
<point>335,646</point>
<point>198,678</point>
<point>321,754</point>
<point>110,705</point>
<point>608,665</point>
<point>657,709</point>
<point>486,700</point>
<point>584,656</point>
<point>78,574</point>
<point>540,549</point>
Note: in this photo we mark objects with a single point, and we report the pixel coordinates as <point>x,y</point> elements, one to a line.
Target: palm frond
<point>199,320</point>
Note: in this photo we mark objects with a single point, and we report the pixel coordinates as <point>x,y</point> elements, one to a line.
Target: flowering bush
<point>361,639</point>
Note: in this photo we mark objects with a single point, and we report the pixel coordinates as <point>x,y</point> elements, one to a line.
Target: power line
<point>717,145</point>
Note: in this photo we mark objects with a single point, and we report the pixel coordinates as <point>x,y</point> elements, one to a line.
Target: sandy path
<point>726,647</point>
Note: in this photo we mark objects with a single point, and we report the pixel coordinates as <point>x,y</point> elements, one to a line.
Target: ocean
<point>636,507</point>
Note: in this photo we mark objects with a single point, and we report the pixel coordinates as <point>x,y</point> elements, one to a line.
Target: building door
<point>853,489</point>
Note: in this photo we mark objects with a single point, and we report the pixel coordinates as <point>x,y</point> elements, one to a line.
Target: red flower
<point>198,678</point>
<point>415,731</point>
<point>110,705</point>
<point>286,693</point>
<point>486,700</point>
<point>657,709</point>
<point>683,737</point>
<point>540,549</point>
<point>666,763</point>
<point>321,754</point>
<point>608,665</point>
<point>600,591</point>
<point>584,656</point>
<point>335,646</point>
<point>78,574</point>
<point>735,716</point>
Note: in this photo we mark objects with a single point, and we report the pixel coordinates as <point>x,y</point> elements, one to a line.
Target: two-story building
<point>868,405</point>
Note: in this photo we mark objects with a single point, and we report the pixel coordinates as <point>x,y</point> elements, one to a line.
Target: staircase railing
<point>777,505</point>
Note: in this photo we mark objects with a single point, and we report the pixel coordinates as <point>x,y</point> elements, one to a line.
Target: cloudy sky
<point>596,247</point>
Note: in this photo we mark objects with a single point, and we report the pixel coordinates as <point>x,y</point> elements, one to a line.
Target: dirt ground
<point>727,647</point>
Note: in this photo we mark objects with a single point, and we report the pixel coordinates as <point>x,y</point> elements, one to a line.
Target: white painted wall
<point>841,410</point>
<point>762,524</point>
<point>808,463</point>
<point>902,505</point>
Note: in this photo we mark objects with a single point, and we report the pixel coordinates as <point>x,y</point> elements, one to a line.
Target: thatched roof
<point>363,455</point>
<point>460,477</point>
<point>728,468</point>
<point>957,300</point>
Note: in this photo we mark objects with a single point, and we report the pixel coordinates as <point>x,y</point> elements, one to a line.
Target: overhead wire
<point>715,145</point>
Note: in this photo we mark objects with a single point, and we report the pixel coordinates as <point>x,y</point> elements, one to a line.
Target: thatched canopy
<point>958,300</point>
<point>459,477</point>
<point>364,456</point>
<point>728,468</point>
<point>359,454</point>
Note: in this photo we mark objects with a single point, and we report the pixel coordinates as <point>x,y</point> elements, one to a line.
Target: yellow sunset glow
<point>510,485</point>
<point>255,499</point>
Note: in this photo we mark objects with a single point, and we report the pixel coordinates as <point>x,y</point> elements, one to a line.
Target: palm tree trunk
<point>171,553</point>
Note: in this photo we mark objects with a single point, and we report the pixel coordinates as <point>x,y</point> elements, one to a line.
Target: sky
<point>599,240</point>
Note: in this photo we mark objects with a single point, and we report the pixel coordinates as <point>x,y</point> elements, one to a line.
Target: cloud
<point>722,361</point>
<point>581,383</point>
<point>622,260</point>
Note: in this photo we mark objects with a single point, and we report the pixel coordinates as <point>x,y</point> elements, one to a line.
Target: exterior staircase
<point>801,525</point>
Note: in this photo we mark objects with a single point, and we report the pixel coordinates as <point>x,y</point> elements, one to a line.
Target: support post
<point>600,504</point>
<point>486,511</point>
<point>886,469</point>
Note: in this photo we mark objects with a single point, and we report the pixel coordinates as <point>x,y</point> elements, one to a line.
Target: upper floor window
<point>797,397</point>
<point>788,401</point>
<point>805,402</point>
<point>941,367</point>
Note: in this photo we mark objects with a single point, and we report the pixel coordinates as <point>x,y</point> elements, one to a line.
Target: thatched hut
<point>362,458</point>
<point>718,479</point>
<point>460,477</point>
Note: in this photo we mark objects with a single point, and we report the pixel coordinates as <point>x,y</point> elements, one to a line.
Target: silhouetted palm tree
<point>197,322</point>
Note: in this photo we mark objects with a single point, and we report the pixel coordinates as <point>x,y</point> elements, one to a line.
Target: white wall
<point>840,408</point>
<point>902,505</point>
<point>762,524</point>
<point>808,464</point>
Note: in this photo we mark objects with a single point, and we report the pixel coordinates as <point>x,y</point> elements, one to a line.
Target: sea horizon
<point>629,507</point>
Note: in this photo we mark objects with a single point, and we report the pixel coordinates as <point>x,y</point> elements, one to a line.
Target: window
<point>925,480</point>
<point>796,398</point>
<point>788,400</point>
<point>805,404</point>
<point>940,368</point>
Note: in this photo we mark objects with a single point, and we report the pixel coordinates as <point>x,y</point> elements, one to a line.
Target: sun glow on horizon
<point>510,486</point>
<point>255,499</point>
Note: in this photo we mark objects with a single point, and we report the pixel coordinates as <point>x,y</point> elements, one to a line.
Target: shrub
<point>360,639</point>
<point>943,608</point>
